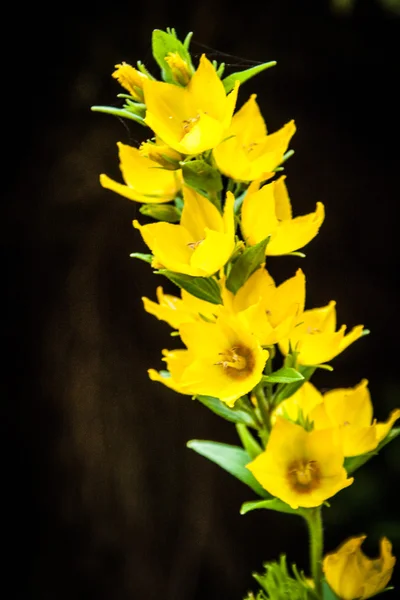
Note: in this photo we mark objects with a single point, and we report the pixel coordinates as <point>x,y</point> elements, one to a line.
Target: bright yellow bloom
<point>201,244</point>
<point>181,71</point>
<point>267,211</point>
<point>131,79</point>
<point>315,338</point>
<point>144,180</point>
<point>351,411</point>
<point>247,152</point>
<point>269,312</point>
<point>222,360</point>
<point>176,311</point>
<point>161,154</point>
<point>300,403</point>
<point>354,576</point>
<point>302,468</point>
<point>194,118</point>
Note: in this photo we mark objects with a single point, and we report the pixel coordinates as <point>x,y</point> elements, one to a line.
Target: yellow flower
<point>144,180</point>
<point>201,244</point>
<point>315,338</point>
<point>176,311</point>
<point>181,71</point>
<point>222,360</point>
<point>300,403</point>
<point>302,468</point>
<point>269,312</point>
<point>351,411</point>
<point>194,118</point>
<point>354,576</point>
<point>267,211</point>
<point>161,154</point>
<point>131,79</point>
<point>247,152</point>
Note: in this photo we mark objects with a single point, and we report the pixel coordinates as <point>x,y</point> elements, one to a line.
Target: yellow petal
<point>248,124</point>
<point>205,133</point>
<point>232,160</point>
<point>382,429</point>
<point>258,215</point>
<point>207,90</point>
<point>283,207</point>
<point>198,214</point>
<point>294,234</point>
<point>212,253</point>
<point>350,405</point>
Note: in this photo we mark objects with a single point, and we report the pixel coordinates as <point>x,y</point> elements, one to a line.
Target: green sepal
<point>288,390</point>
<point>242,76</point>
<point>249,442</point>
<point>145,257</point>
<point>161,212</point>
<point>234,414</point>
<point>272,504</point>
<point>205,288</point>
<point>230,458</point>
<point>164,42</point>
<point>328,593</point>
<point>284,375</point>
<point>201,176</point>
<point>352,463</point>
<point>247,263</point>
<point>119,112</point>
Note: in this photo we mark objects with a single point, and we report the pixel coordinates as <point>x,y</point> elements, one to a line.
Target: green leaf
<point>205,288</point>
<point>201,176</point>
<point>161,212</point>
<point>119,112</point>
<point>245,265</point>
<point>230,458</point>
<point>145,257</point>
<point>249,443</point>
<point>284,375</point>
<point>327,593</point>
<point>273,504</point>
<point>162,44</point>
<point>288,390</point>
<point>234,415</point>
<point>352,463</point>
<point>242,76</point>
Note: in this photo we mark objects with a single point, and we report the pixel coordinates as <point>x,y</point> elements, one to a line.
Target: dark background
<point>103,498</point>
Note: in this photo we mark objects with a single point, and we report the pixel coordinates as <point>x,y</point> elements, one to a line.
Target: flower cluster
<point>210,178</point>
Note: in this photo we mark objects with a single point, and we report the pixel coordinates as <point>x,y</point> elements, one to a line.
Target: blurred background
<point>105,500</point>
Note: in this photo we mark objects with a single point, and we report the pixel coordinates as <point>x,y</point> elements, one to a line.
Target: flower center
<point>304,475</point>
<point>188,124</point>
<point>194,245</point>
<point>237,362</point>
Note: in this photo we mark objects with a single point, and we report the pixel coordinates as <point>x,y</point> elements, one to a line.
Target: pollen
<point>188,124</point>
<point>304,475</point>
<point>238,362</point>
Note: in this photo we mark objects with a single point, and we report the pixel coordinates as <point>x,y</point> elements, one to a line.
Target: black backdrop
<point>104,500</point>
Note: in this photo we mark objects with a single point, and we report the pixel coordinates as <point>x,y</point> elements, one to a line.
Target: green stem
<point>262,404</point>
<point>316,533</point>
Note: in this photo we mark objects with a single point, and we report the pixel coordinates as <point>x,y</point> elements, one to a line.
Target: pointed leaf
<point>352,463</point>
<point>119,112</point>
<point>201,176</point>
<point>145,257</point>
<point>249,443</point>
<point>234,415</point>
<point>161,212</point>
<point>230,458</point>
<point>273,504</point>
<point>248,262</point>
<point>284,375</point>
<point>288,390</point>
<point>242,76</point>
<point>205,288</point>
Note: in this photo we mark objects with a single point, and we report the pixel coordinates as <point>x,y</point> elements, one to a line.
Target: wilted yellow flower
<point>267,212</point>
<point>354,576</point>
<point>131,79</point>
<point>247,152</point>
<point>194,118</point>
<point>161,154</point>
<point>315,338</point>
<point>302,468</point>
<point>351,411</point>
<point>181,70</point>
<point>201,244</point>
<point>144,180</point>
<point>222,360</point>
<point>176,311</point>
<point>270,312</point>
